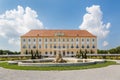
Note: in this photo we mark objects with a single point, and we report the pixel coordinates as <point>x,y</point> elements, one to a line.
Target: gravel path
<point>107,73</point>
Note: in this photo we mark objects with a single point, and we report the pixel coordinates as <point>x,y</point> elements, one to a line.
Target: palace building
<point>52,42</point>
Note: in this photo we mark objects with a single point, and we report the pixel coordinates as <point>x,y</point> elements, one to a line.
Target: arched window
<point>67,39</point>
<point>45,45</point>
<point>45,40</point>
<point>34,46</point>
<point>59,47</point>
<point>72,40</point>
<point>82,40</point>
<point>67,46</point>
<point>50,45</point>
<point>72,46</point>
<point>93,40</point>
<point>88,46</point>
<point>59,39</point>
<point>39,46</point>
<point>82,46</point>
<point>28,40</point>
<point>87,40</point>
<point>63,40</point>
<point>54,40</point>
<point>77,40</point>
<point>77,46</point>
<point>29,46</point>
<point>93,46</point>
<point>24,46</point>
<point>34,40</point>
<point>63,46</point>
<point>50,40</point>
<point>54,46</point>
<point>23,40</point>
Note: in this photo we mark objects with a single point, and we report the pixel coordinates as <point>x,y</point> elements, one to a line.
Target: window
<point>29,46</point>
<point>82,40</point>
<point>23,40</point>
<point>28,40</point>
<point>59,47</point>
<point>93,46</point>
<point>63,40</point>
<point>68,52</point>
<point>87,40</point>
<point>50,40</point>
<point>39,46</point>
<point>34,40</point>
<point>54,46</point>
<point>45,45</point>
<point>59,39</point>
<point>88,46</point>
<point>34,46</point>
<point>72,46</point>
<point>24,46</point>
<point>68,40</point>
<point>93,40</point>
<point>72,40</point>
<point>82,46</point>
<point>50,52</point>
<point>67,46</point>
<point>50,45</point>
<point>45,40</point>
<point>63,46</point>
<point>39,40</point>
<point>77,46</point>
<point>76,40</point>
<point>54,40</point>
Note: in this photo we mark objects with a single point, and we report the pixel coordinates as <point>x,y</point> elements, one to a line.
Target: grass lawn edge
<point>16,67</point>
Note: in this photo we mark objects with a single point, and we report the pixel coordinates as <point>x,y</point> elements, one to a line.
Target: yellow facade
<point>66,45</point>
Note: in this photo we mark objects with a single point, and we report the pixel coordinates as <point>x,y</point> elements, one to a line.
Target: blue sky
<point>59,14</point>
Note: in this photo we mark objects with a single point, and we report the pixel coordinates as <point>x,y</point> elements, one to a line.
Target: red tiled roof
<point>50,33</point>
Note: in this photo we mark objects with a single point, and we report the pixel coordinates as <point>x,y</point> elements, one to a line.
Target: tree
<point>91,51</point>
<point>37,54</point>
<point>32,56</point>
<point>85,54</point>
<point>26,52</point>
<point>78,54</point>
<point>1,52</point>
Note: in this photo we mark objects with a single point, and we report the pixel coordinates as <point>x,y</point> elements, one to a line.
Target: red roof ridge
<point>51,32</point>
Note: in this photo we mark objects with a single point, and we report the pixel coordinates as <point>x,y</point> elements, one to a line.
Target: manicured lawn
<point>9,66</point>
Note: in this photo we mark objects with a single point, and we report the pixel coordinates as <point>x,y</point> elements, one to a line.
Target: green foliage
<point>110,51</point>
<point>35,55</point>
<point>26,52</point>
<point>7,52</point>
<point>82,54</point>
<point>78,55</point>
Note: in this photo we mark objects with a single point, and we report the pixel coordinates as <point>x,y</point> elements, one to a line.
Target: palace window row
<point>59,47</point>
<point>59,40</point>
<point>63,52</point>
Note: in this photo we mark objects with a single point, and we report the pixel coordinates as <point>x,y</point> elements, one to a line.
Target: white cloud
<point>16,22</point>
<point>105,43</point>
<point>92,21</point>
